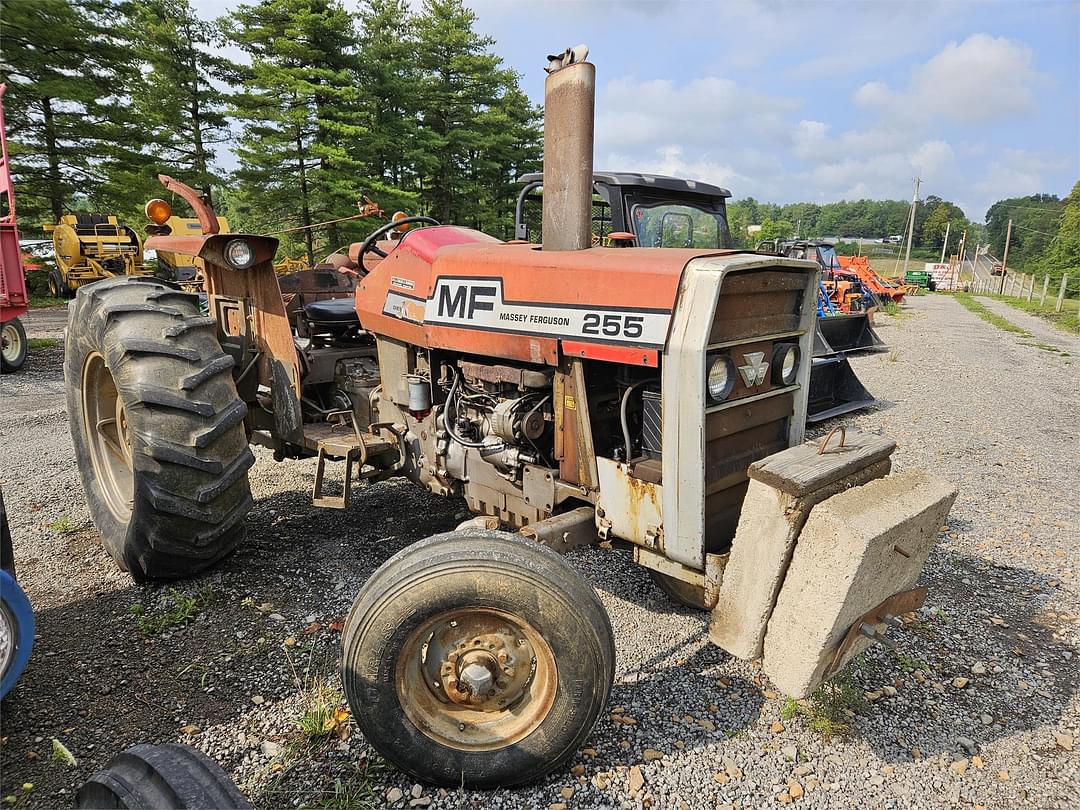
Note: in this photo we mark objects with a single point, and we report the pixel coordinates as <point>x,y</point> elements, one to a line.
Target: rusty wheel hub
<point>108,436</point>
<point>476,678</point>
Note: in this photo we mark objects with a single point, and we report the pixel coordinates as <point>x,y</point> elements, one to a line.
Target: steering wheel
<point>369,246</point>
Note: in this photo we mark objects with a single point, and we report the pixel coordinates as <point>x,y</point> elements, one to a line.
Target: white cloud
<point>706,112</point>
<point>981,79</point>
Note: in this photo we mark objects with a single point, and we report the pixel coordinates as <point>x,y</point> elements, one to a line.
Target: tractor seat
<point>332,310</point>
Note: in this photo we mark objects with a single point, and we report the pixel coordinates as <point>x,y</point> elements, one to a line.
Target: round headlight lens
<point>721,378</point>
<point>239,254</point>
<point>785,364</point>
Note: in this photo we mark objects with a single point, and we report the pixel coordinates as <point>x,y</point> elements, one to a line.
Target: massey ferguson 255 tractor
<point>649,397</point>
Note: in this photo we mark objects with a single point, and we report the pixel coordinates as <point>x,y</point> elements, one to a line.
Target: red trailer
<point>13,298</point>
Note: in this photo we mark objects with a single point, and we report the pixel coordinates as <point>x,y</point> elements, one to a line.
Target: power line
<point>1041,233</point>
<point>1031,207</point>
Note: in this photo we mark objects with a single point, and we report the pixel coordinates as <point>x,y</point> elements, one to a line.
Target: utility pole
<point>946,244</point>
<point>1005,258</point>
<point>911,223</point>
<point>960,257</point>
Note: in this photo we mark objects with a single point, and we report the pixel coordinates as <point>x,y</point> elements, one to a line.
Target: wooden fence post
<point>1031,287</point>
<point>1046,283</point>
<point>1061,292</point>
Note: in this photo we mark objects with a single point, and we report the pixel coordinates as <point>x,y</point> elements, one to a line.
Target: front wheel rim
<point>11,343</point>
<point>476,679</point>
<point>108,436</point>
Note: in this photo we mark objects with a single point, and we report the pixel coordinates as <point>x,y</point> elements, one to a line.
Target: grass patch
<point>322,713</point>
<point>62,525</point>
<point>829,710</point>
<point>42,343</point>
<point>969,303</point>
<point>45,302</point>
<point>356,791</point>
<point>1068,318</point>
<point>890,307</point>
<point>176,609</point>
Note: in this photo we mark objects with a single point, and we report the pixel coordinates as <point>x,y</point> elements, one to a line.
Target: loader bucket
<point>850,333</point>
<point>834,389</point>
<point>821,345</point>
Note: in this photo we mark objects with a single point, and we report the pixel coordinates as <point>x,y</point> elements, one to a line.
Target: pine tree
<point>477,127</point>
<point>178,99</point>
<point>300,109</point>
<point>70,126</point>
<point>387,77</point>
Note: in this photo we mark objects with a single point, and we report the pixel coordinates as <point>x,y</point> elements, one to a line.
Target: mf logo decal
<point>753,373</point>
<point>479,303</point>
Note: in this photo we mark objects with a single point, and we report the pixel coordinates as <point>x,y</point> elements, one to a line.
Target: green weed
<point>891,307</point>
<point>41,343</point>
<point>909,664</point>
<point>176,609</point>
<point>20,799</point>
<point>356,792</point>
<point>321,714</point>
<point>829,710</point>
<point>62,525</point>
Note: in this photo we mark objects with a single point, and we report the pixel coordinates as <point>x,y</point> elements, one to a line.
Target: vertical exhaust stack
<point>569,103</point>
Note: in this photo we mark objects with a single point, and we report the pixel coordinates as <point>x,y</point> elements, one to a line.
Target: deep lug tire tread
<point>191,453</point>
<point>166,777</point>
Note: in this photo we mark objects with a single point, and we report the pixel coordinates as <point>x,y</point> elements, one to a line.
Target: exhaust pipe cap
<point>571,56</point>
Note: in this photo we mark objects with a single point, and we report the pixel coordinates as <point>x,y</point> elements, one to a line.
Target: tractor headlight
<point>785,363</point>
<point>239,254</point>
<point>720,379</point>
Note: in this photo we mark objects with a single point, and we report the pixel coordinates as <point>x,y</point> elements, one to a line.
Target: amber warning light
<point>158,211</point>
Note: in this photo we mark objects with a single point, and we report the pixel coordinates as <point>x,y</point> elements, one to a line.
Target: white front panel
<point>683,393</point>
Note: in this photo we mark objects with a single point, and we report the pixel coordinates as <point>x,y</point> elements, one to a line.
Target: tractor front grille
<point>756,310</point>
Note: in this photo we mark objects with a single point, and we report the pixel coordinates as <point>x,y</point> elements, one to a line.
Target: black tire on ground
<point>12,346</point>
<point>558,636</point>
<point>157,427</point>
<point>679,592</point>
<point>169,777</point>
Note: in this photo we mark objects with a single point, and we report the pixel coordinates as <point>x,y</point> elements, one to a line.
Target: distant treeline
<point>861,218</point>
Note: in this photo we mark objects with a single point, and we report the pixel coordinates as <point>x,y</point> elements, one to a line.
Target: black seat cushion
<point>332,310</point>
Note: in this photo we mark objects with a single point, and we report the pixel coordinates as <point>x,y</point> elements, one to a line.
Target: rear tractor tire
<point>157,427</point>
<point>477,658</point>
<point>12,346</point>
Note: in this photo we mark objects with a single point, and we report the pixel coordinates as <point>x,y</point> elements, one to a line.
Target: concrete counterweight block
<point>783,489</point>
<point>855,550</point>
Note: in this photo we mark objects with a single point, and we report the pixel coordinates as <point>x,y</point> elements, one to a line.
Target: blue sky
<point>819,101</point>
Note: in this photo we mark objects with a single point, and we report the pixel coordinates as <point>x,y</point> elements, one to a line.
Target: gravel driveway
<point>978,704</point>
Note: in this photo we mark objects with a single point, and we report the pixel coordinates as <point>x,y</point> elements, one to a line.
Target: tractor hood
<point>455,288</point>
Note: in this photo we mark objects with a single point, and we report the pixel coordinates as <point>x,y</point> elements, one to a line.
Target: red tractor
<point>568,393</point>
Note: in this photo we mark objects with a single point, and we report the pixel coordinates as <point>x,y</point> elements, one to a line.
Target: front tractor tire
<point>157,427</point>
<point>477,658</point>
